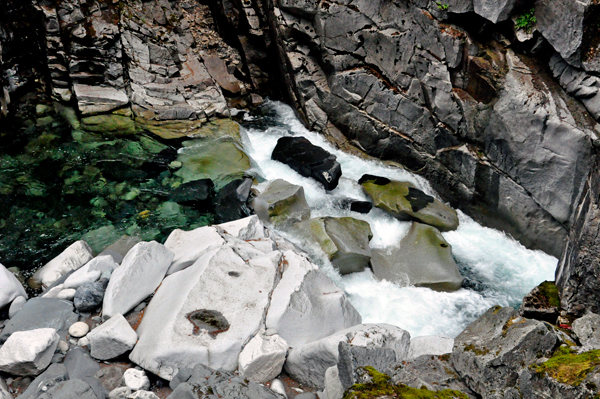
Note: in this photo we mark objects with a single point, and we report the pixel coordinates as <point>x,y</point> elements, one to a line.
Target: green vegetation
<point>567,367</point>
<point>381,387</point>
<point>548,289</point>
<point>526,21</point>
<point>442,6</point>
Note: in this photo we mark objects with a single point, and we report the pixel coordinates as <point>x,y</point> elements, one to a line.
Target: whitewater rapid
<point>498,269</point>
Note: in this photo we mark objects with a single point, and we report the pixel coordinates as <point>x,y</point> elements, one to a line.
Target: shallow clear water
<point>497,269</point>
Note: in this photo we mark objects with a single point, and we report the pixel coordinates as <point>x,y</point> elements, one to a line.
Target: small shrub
<point>526,21</point>
<point>442,6</point>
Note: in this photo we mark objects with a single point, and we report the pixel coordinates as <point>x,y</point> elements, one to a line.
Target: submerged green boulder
<point>424,258</point>
<point>109,123</point>
<point>345,240</point>
<point>220,160</point>
<point>404,201</point>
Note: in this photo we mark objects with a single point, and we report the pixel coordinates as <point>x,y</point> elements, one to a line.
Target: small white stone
<point>53,292</point>
<point>277,386</point>
<point>83,342</point>
<point>136,379</point>
<point>79,329</point>
<point>63,347</point>
<point>67,294</point>
<point>16,305</point>
<point>142,395</point>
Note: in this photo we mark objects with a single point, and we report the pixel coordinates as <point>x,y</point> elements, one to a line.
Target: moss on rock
<point>568,367</point>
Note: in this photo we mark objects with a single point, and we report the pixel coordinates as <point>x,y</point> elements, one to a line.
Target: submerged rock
<point>345,240</point>
<point>424,258</point>
<point>308,160</point>
<point>230,203</point>
<point>281,204</point>
<point>196,193</point>
<point>404,201</point>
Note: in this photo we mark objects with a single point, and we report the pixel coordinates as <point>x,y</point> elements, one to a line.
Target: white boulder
<point>91,271</point>
<point>140,273</point>
<point>53,292</point>
<point>263,357</point>
<point>430,345</point>
<point>10,287</point>
<point>112,338</point>
<point>28,352</point>
<point>188,246</point>
<point>136,379</point>
<point>67,294</point>
<point>307,364</point>
<point>79,329</point>
<point>72,258</point>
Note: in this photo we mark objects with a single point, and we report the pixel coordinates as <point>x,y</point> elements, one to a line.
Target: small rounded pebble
<point>63,347</point>
<point>136,379</point>
<point>78,329</point>
<point>83,342</point>
<point>67,294</point>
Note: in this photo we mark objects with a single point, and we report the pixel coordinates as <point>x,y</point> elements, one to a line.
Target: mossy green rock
<point>282,204</point>
<point>424,258</point>
<point>345,240</point>
<point>404,201</point>
<point>109,123</point>
<point>220,160</point>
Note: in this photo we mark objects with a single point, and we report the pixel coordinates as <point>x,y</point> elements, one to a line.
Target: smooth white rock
<point>277,386</point>
<point>142,395</point>
<point>91,271</point>
<point>188,246</point>
<point>53,292</point>
<point>112,338</point>
<point>79,329</point>
<point>136,379</point>
<point>83,341</point>
<point>10,287</point>
<point>430,345</point>
<point>333,385</point>
<point>306,305</point>
<point>119,393</point>
<point>28,352</point>
<point>67,294</point>
<point>262,358</point>
<point>16,305</point>
<point>307,364</point>
<point>62,346</point>
<point>140,273</point>
<point>72,258</point>
<point>221,280</point>
<point>250,228</point>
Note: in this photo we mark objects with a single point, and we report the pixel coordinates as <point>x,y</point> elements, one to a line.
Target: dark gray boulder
<point>542,303</point>
<point>89,296</point>
<point>80,365</point>
<point>308,160</point>
<point>230,203</point>
<point>197,193</point>
<point>54,375</point>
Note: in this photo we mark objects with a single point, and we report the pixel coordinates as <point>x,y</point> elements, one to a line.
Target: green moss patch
<point>548,289</point>
<point>570,368</point>
<point>380,387</point>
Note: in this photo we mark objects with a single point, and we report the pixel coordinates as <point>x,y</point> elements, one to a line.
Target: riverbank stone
<point>136,379</point>
<point>188,246</point>
<point>89,297</point>
<point>424,257</point>
<point>91,271</point>
<point>541,303</point>
<point>263,357</point>
<point>10,287</point>
<point>79,329</point>
<point>28,352</point>
<point>430,345</point>
<point>72,258</point>
<point>281,204</point>
<point>309,160</point>
<point>587,329</point>
<point>404,201</point>
<point>112,338</point>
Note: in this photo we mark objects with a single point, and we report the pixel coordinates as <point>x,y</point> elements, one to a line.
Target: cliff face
<point>500,120</point>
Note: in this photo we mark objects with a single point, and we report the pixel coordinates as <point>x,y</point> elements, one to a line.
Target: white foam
<point>502,268</point>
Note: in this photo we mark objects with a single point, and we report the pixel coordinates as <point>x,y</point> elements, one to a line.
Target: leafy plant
<point>526,21</point>
<point>442,6</point>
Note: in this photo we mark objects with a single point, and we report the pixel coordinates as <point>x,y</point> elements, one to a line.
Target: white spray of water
<point>500,269</point>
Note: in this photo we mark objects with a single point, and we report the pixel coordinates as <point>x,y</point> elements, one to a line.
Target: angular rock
<point>493,349</point>
<point>188,246</point>
<point>277,387</point>
<point>352,357</point>
<point>432,345</point>
<point>91,271</point>
<point>197,193</point>
<point>28,352</point>
<point>89,296</point>
<point>203,381</point>
<point>354,205</point>
<point>72,258</point>
<point>54,375</point>
<point>98,99</point>
<point>80,365</point>
<point>141,394</point>
<point>494,11</point>
<point>281,204</point>
<point>140,273</point>
<point>406,202</point>
<point>307,364</point>
<point>4,394</point>
<point>136,379</point>
<point>262,358</point>
<point>112,338</point>
<point>542,303</point>
<point>111,377</point>
<point>10,287</point>
<point>587,329</point>
<point>249,228</point>
<point>345,240</point>
<point>41,313</point>
<point>308,160</point>
<point>424,258</point>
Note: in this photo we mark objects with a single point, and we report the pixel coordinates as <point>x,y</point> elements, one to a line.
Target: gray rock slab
<point>54,375</point>
<point>98,99</point>
<point>91,271</point>
<point>587,329</point>
<point>80,365</point>
<point>430,345</point>
<point>71,389</point>
<point>281,204</point>
<point>188,246</point>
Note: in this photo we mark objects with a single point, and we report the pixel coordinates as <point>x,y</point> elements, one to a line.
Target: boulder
<point>542,303</point>
<point>333,388</point>
<point>587,329</point>
<point>230,203</point>
<point>277,387</point>
<point>345,240</point>
<point>308,160</point>
<point>494,11</point>
<point>54,375</point>
<point>353,205</point>
<point>136,379</point>
<point>352,358</point>
<point>91,271</point>
<point>249,228</point>
<point>493,349</point>
<point>80,365</point>
<point>404,201</point>
<point>140,273</point>
<point>281,204</point>
<point>72,258</point>
<point>307,363</point>
<point>39,313</point>
<point>203,381</point>
<point>28,352</point>
<point>188,246</point>
<point>112,338</point>
<point>98,99</point>
<point>430,345</point>
<point>10,287</point>
<point>262,358</point>
<point>89,296</point>
<point>424,258</point>
<point>196,193</point>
